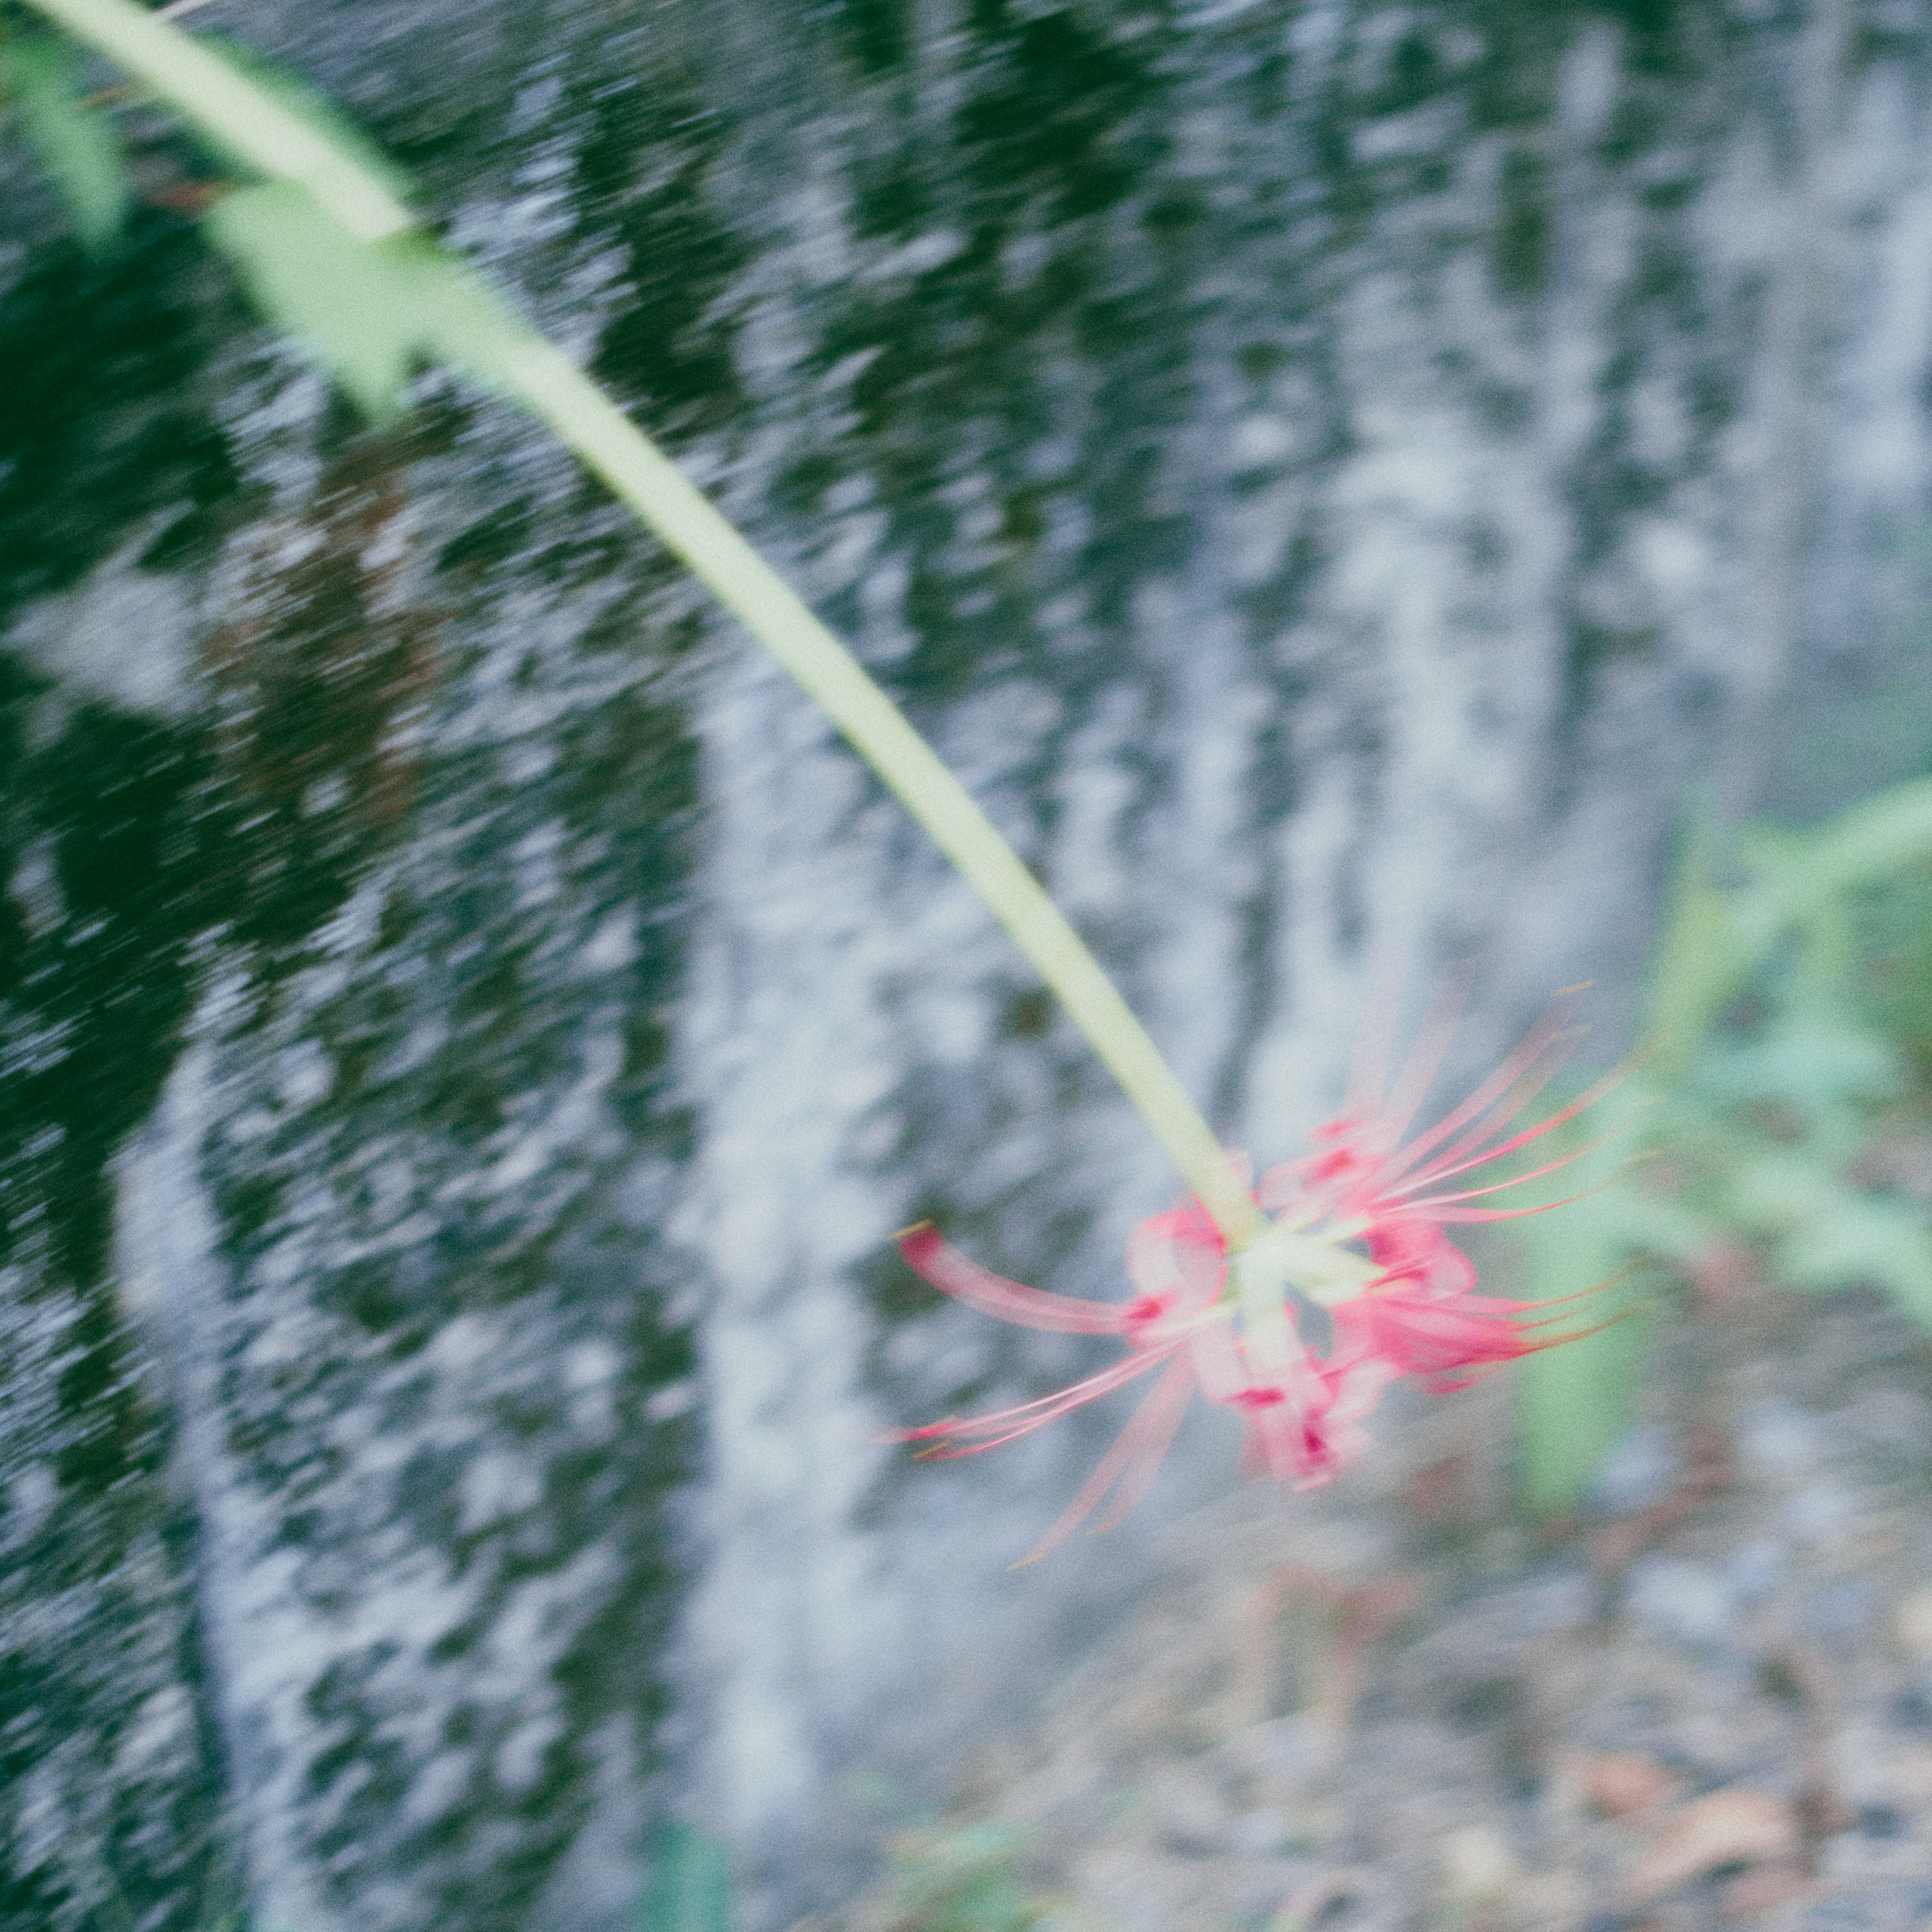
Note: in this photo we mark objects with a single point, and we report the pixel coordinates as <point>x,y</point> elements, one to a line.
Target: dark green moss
<point>111,430</point>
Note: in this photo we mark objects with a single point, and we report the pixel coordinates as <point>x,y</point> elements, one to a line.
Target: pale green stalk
<point>232,111</point>
<point>244,120</point>
<point>584,417</point>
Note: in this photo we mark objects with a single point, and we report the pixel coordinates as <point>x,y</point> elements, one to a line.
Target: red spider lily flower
<point>1357,1227</point>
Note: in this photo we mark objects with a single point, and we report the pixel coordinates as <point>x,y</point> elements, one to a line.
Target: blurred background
<point>1351,487</point>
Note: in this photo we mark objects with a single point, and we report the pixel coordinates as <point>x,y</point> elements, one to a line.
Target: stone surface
<point>1330,476</point>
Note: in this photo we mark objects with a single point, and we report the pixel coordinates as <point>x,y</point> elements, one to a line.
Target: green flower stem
<point>509,356</point>
<point>552,388</point>
<point>232,112</point>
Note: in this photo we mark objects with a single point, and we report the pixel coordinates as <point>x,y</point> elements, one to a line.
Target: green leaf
<point>1869,842</point>
<point>1659,1225</point>
<point>1848,1236</point>
<point>1812,1057</point>
<point>1775,1190</point>
<point>964,1880</point>
<point>1700,960</point>
<point>77,145</point>
<point>338,297</point>
<point>1574,1403</point>
<point>690,1884</point>
<point>369,312</point>
<point>461,322</point>
<point>1574,1400</point>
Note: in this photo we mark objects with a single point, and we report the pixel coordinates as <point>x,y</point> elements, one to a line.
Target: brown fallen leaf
<point>1620,1783</point>
<point>1912,1624</point>
<point>1724,1276</point>
<point>1766,1887</point>
<point>1737,1826</point>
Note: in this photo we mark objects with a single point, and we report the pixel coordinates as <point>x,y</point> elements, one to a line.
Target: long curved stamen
<point>1038,1414</point>
<point>1580,1334</point>
<point>1583,1104</point>
<point>1508,1107</point>
<point>1132,1461</point>
<point>1531,1048</point>
<point>1418,1202</point>
<point>1469,1214</point>
<point>1425,1057</point>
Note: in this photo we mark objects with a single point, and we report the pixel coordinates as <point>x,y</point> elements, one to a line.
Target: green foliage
<point>690,1884</point>
<point>965,1879</point>
<point>943,1879</point>
<point>1763,1132</point>
<point>371,312</point>
<point>76,143</point>
<point>1700,959</point>
<point>1786,1019</point>
<point>1574,1401</point>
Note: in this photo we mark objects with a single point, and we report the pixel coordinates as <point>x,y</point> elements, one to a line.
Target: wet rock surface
<point>1328,476</point>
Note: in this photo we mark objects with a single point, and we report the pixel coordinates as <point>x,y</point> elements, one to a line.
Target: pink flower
<point>1358,1226</point>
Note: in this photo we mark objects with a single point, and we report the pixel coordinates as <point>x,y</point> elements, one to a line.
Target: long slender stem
<point>607,442</point>
<point>232,111</point>
<point>552,388</point>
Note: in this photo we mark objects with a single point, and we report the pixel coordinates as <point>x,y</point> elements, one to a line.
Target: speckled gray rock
<point>1329,476</point>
